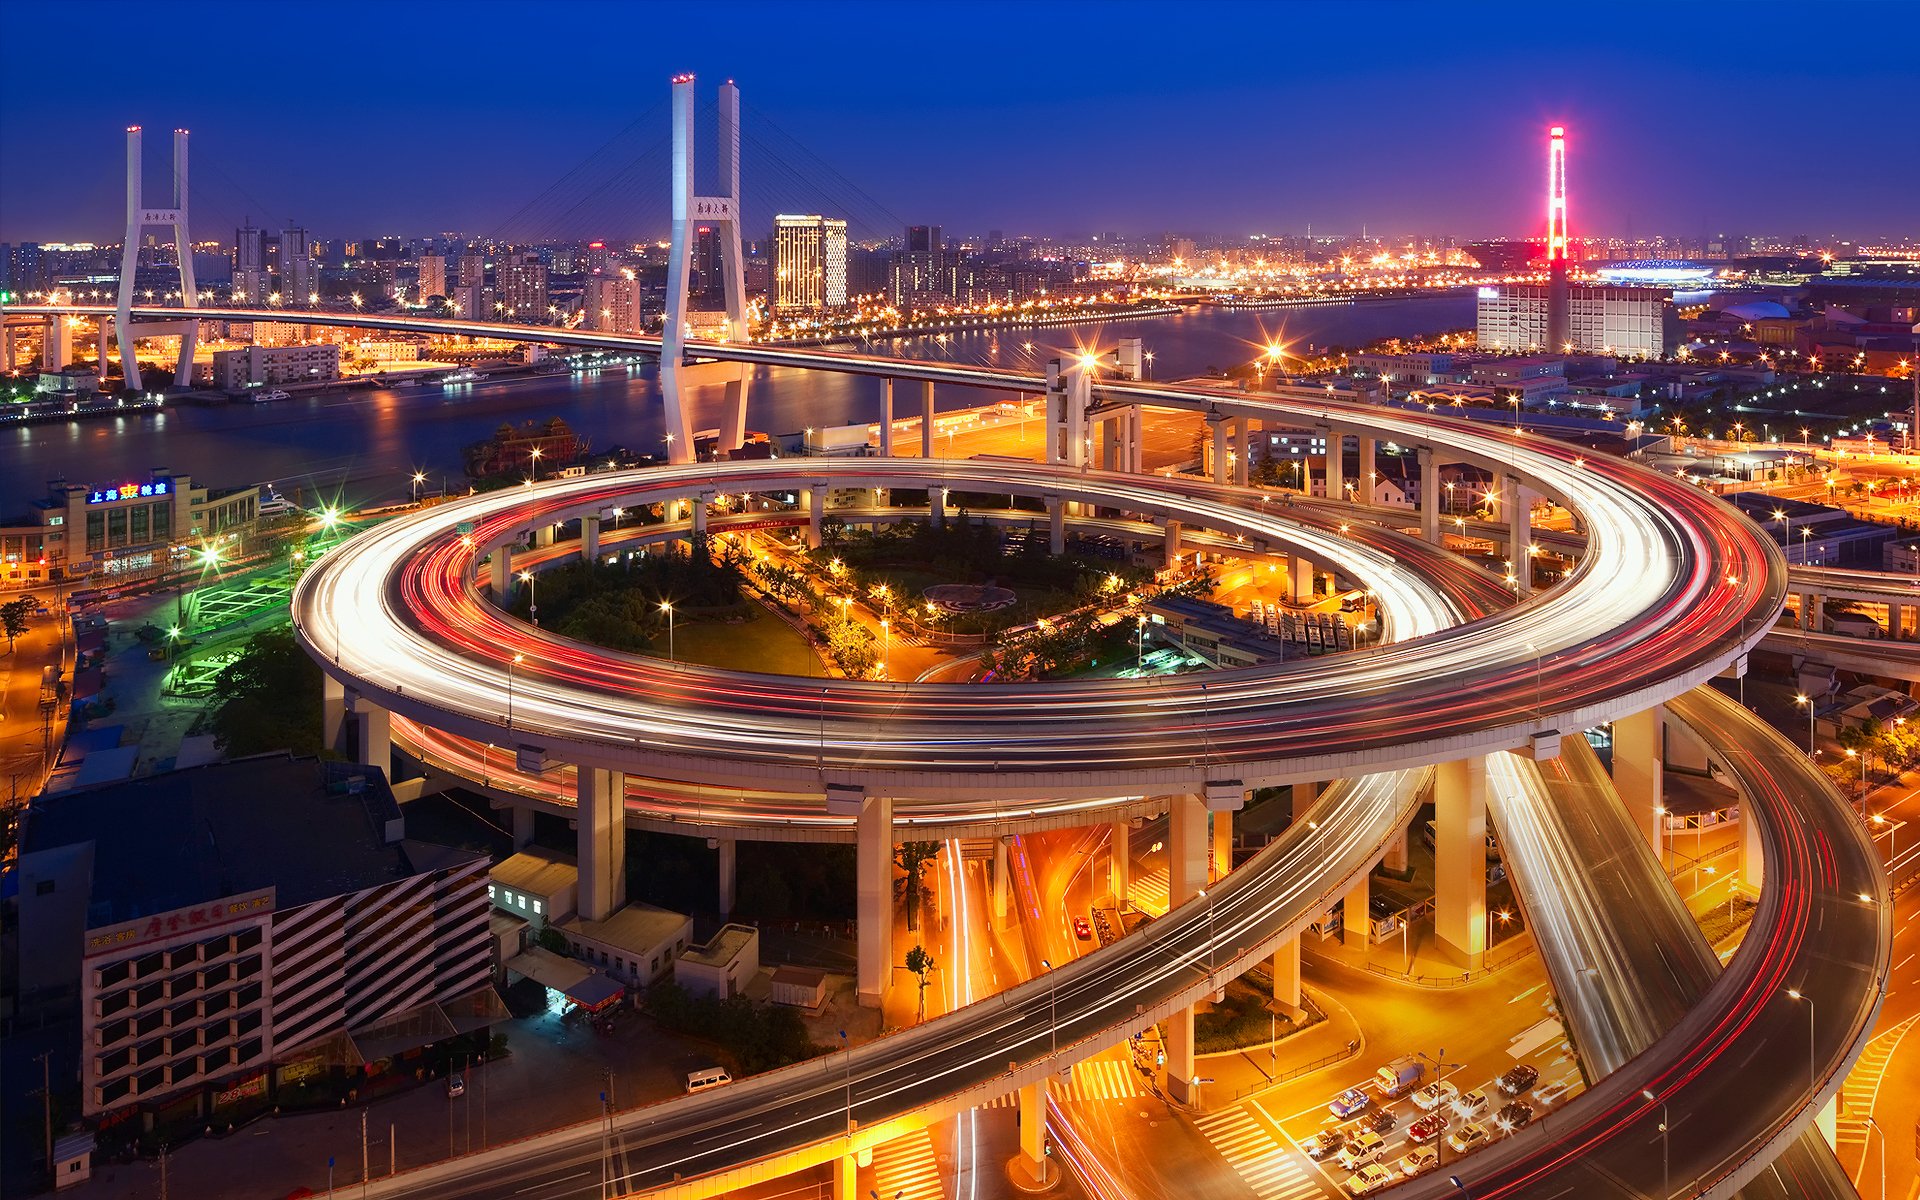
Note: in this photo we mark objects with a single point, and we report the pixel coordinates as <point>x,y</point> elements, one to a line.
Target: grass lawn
<point>762,643</point>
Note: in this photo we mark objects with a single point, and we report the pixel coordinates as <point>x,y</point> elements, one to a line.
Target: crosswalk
<point>1863,1087</point>
<point>1149,891</point>
<point>1096,1079</point>
<point>907,1167</point>
<point>1271,1171</point>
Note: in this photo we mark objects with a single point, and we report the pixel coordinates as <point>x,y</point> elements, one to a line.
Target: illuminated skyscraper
<point>809,263</point>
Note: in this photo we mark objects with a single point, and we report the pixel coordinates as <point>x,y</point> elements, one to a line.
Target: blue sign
<point>130,491</point>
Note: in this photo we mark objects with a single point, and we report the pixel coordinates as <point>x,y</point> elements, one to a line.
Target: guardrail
<point>1308,1068</point>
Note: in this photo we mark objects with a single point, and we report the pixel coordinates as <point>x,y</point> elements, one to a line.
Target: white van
<point>711,1077</point>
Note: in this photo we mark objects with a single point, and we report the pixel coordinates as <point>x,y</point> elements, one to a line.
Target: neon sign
<point>130,491</point>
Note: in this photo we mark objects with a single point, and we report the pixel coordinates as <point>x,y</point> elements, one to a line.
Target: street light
<point>533,606</point>
<point>1875,1125</point>
<point>1812,1081</point>
<point>1807,700</point>
<point>419,477</point>
<point>1666,1158</point>
<point>845,1049</point>
<point>511,663</point>
<point>886,645</point>
<point>1053,1012</point>
<point>1213,936</point>
<point>666,606</point>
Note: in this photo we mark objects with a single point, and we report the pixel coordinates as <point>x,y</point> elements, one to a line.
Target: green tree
<point>269,698</point>
<point>920,963</point>
<point>912,858</point>
<point>13,616</point>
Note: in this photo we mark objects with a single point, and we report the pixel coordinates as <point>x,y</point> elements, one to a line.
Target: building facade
<point>1628,321</point>
<point>611,303</point>
<point>521,286</point>
<point>433,276</point>
<point>117,533</point>
<point>809,264</point>
<point>270,366</point>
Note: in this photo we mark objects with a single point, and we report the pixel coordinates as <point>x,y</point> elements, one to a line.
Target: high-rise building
<point>473,269</point>
<point>28,268</point>
<point>809,263</point>
<point>521,281</point>
<point>471,301</point>
<point>433,276</point>
<point>250,281</point>
<point>612,303</point>
<point>709,284</point>
<point>920,275</point>
<point>298,278</point>
<point>1634,321</point>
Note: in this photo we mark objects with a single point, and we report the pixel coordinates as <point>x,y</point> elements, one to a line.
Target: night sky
<point>412,116</point>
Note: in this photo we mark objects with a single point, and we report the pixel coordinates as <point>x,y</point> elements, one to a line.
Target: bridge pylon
<point>721,214</point>
<point>139,219</point>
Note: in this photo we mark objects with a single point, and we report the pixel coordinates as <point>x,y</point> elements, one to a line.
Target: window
<point>43,887</point>
<point>490,895</point>
<point>537,909</point>
<point>522,902</point>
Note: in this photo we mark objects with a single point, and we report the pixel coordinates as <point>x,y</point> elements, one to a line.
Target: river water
<point>363,446</point>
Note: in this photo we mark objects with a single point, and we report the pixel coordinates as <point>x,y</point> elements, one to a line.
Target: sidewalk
<point>1237,1074</point>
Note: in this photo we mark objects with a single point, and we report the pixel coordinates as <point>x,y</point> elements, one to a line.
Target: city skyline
<point>1312,134</point>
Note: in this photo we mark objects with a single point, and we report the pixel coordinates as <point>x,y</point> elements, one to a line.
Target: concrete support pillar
<point>1222,843</point>
<point>56,343</point>
<point>1057,525</point>
<point>522,826</point>
<point>1242,451</point>
<point>926,419</point>
<point>699,515</point>
<point>1111,439</point>
<point>1305,796</point>
<point>1286,972</point>
<point>1178,1030</point>
<point>937,506</point>
<point>1817,610</point>
<point>542,536</point>
<point>728,849</point>
<point>1186,849</point>
<point>1136,439</point>
<point>1033,1130</point>
<point>1638,769</point>
<point>846,1177</point>
<point>1828,1122</point>
<point>1520,535</point>
<point>600,841</point>
<point>1395,858</point>
<point>886,418</point>
<point>1356,926</point>
<point>1300,579</point>
<point>1079,399</point>
<point>1002,879</point>
<point>1429,496</point>
<point>373,735</point>
<point>1753,862</point>
<point>874,867</point>
<point>333,712</point>
<point>1217,425</point>
<point>1369,470</point>
<point>499,572</point>
<point>814,500</point>
<point>1120,862</point>
<point>1172,543</point>
<point>1460,860</point>
<point>1336,465</point>
<point>590,539</point>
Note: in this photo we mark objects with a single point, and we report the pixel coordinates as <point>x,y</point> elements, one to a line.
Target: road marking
<point>1535,1037</point>
<point>1149,892</point>
<point>1862,1090</point>
<point>908,1167</point>
<point>1272,1171</point>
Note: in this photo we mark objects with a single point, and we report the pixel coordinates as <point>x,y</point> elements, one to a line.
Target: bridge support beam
<point>1305,796</point>
<point>1753,860</point>
<point>1520,536</point>
<point>926,418</point>
<point>1242,451</point>
<point>1057,525</point>
<point>522,826</point>
<point>1120,862</point>
<point>1336,465</point>
<point>886,418</point>
<point>1300,579</point>
<point>1395,858</point>
<point>542,536</point>
<point>1222,843</point>
<point>1356,924</point>
<point>1186,875</point>
<point>56,343</point>
<point>1639,769</point>
<point>937,506</point>
<point>1033,1132</point>
<point>846,1177</point>
<point>874,867</point>
<point>500,573</point>
<point>590,540</point>
<point>1369,475</point>
<point>728,850</point>
<point>373,735</point>
<point>1002,879</point>
<point>1217,427</point>
<point>333,712</point>
<point>814,501</point>
<point>1429,496</point>
<point>600,841</point>
<point>1286,972</point>
<point>1172,545</point>
<point>1460,860</point>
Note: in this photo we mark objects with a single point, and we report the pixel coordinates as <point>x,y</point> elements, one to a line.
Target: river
<point>364,446</point>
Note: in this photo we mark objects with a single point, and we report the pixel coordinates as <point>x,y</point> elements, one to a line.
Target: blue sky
<point>413,115</point>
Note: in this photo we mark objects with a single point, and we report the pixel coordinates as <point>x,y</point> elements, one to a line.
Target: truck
<point>1399,1077</point>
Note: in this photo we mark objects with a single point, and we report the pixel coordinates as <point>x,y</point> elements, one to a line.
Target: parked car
<point>1428,1128</point>
<point>1082,930</point>
<point>1419,1160</point>
<point>1519,1078</point>
<point>1382,1120</point>
<point>1349,1102</point>
<point>1552,1093</point>
<point>1466,1137</point>
<point>1472,1105</point>
<point>1368,1179</point>
<point>1363,1149</point>
<point>456,1086</point>
<point>1436,1095</point>
<point>1514,1114</point>
<point>1325,1144</point>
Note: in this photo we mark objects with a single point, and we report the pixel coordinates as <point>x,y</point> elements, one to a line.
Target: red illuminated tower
<point>1558,294</point>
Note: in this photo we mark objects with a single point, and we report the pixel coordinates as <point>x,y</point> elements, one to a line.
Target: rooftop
<point>536,872</point>
<point>640,928</point>
<point>308,828</point>
<point>725,946</point>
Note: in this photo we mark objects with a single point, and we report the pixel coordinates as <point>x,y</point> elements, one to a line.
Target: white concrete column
<point>1286,972</point>
<point>1172,543</point>
<point>1305,796</point>
<point>333,712</point>
<point>1057,525</point>
<point>1460,860</point>
<point>1395,858</point>
<point>373,735</point>
<point>600,830</point>
<point>522,826</point>
<point>542,536</point>
<point>1217,425</point>
<point>1120,862</point>
<point>1336,465</point>
<point>699,506</point>
<point>1242,451</point>
<point>1753,861</point>
<point>1111,439</point>
<point>1429,495</point>
<point>937,506</point>
<point>886,418</point>
<point>1356,925</point>
<point>1828,1122</point>
<point>874,866</point>
<point>1033,1130</point>
<point>1079,399</point>
<point>1520,535</point>
<point>590,539</point>
<point>1369,470</point>
<point>846,1177</point>
<point>814,500</point>
<point>926,419</point>
<point>1222,843</point>
<point>1186,849</point>
<point>728,849</point>
<point>1300,579</point>
<point>1136,439</point>
<point>1638,770</point>
<point>499,572</point>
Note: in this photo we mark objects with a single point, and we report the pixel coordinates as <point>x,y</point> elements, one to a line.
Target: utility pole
<point>46,1105</point>
<point>365,1167</point>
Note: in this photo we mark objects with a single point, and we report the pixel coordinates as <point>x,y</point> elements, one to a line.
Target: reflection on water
<point>363,446</point>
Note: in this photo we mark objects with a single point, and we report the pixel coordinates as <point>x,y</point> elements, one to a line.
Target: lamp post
<point>533,606</point>
<point>1139,642</point>
<point>1053,1013</point>
<point>886,644</point>
<point>419,477</point>
<point>1666,1158</point>
<point>1875,1126</point>
<point>666,606</point>
<point>845,1049</point>
<point>1804,699</point>
<point>1812,1080</point>
<point>1212,936</point>
<point>511,663</point>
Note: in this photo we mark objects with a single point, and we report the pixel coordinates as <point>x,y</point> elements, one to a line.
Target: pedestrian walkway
<point>1149,891</point>
<point>1862,1089</point>
<point>906,1168</point>
<point>1271,1171</point>
<point>1096,1079</point>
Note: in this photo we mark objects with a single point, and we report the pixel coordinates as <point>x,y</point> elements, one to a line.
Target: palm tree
<point>911,858</point>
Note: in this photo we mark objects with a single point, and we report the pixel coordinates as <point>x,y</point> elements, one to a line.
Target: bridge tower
<point>720,213</point>
<point>1559,294</point>
<point>139,219</point>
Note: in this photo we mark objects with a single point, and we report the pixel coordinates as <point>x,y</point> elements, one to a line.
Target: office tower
<point>920,275</point>
<point>433,276</point>
<point>809,263</point>
<point>473,269</point>
<point>521,281</point>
